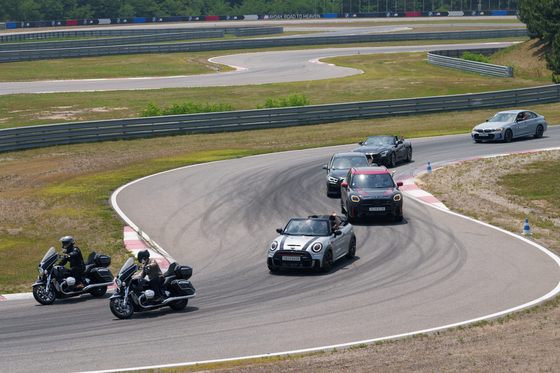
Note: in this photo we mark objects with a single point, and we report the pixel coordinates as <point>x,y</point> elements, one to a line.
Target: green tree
<point>542,18</point>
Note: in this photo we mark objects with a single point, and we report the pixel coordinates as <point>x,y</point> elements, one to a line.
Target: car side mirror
<point>338,232</point>
<point>399,184</point>
<point>279,230</point>
<point>399,142</point>
<point>487,119</point>
<point>361,143</point>
<point>325,167</point>
<point>344,185</point>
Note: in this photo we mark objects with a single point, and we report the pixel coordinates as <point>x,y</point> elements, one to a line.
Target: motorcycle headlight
<point>41,271</point>
<point>355,199</point>
<point>317,247</point>
<point>397,197</point>
<point>273,246</point>
<point>119,282</point>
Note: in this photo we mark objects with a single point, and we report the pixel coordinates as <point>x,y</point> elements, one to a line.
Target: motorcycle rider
<point>73,255</point>
<point>150,267</point>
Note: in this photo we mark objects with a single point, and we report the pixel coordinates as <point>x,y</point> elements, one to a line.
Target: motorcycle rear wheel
<point>121,309</point>
<point>43,296</point>
<point>178,305</point>
<point>98,292</point>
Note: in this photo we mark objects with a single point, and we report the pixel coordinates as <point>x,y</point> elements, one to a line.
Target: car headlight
<point>397,197</point>
<point>384,153</point>
<point>355,199</point>
<point>273,245</point>
<point>41,271</point>
<point>499,129</point>
<point>333,180</point>
<point>317,247</point>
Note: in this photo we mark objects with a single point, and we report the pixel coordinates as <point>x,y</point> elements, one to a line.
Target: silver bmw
<point>510,124</point>
<point>315,242</point>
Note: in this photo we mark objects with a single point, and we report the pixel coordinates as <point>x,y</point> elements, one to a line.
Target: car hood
<point>491,125</point>
<point>298,242</point>
<point>375,192</point>
<point>339,173</point>
<point>372,149</point>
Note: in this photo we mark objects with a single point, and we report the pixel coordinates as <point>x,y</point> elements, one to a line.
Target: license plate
<point>377,209</point>
<point>482,134</point>
<point>292,258</point>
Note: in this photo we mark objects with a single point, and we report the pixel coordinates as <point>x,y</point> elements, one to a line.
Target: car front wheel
<point>409,155</point>
<point>327,262</point>
<point>351,249</point>
<point>392,160</point>
<point>508,136</point>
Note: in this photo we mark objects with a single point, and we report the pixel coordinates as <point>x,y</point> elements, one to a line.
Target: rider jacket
<point>151,269</point>
<point>74,257</point>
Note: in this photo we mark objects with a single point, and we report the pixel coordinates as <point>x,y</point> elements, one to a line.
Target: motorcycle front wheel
<point>120,308</point>
<point>44,296</point>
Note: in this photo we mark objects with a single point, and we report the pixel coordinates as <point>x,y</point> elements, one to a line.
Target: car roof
<point>348,155</point>
<point>513,111</point>
<point>369,170</point>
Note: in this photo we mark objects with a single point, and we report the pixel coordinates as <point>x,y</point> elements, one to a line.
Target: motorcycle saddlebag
<point>183,287</point>
<point>103,260</point>
<point>102,275</point>
<point>183,272</point>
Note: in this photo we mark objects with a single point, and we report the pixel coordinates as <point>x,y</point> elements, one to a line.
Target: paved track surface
<point>256,68</point>
<point>431,270</point>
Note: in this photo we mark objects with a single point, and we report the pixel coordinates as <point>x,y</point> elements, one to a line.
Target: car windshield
<point>372,181</point>
<point>307,227</point>
<point>349,162</point>
<point>503,117</point>
<point>380,141</point>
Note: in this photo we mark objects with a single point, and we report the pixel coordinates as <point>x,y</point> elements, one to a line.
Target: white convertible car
<point>313,242</point>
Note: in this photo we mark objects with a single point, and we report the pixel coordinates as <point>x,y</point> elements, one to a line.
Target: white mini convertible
<point>315,242</point>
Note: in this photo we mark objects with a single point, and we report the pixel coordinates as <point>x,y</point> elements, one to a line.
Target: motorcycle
<point>133,294</point>
<point>55,281</point>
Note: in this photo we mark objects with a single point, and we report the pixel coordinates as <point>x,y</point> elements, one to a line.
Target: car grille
<point>489,137</point>
<point>486,130</point>
<point>304,262</point>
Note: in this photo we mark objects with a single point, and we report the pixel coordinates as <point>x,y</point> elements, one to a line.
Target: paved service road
<point>433,269</point>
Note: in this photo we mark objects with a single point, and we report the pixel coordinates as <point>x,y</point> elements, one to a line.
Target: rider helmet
<point>67,244</point>
<point>143,256</point>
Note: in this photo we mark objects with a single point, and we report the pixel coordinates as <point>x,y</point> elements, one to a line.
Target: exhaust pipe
<point>86,288</point>
<point>168,300</point>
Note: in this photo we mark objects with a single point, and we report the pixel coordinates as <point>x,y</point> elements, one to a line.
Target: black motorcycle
<point>55,281</point>
<point>134,293</point>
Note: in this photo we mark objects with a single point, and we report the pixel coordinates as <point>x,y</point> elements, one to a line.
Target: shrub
<point>474,57</point>
<point>293,100</point>
<point>185,108</point>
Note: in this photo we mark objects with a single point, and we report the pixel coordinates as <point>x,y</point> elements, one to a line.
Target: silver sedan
<point>510,124</point>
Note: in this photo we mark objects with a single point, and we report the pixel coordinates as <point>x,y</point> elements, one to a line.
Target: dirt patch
<point>73,114</point>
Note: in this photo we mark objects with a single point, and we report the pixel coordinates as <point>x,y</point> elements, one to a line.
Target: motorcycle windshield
<point>128,263</point>
<point>49,253</point>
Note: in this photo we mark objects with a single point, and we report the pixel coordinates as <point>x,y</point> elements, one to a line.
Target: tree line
<point>542,18</point>
<point>44,10</point>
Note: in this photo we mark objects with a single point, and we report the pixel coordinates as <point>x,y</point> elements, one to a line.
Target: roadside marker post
<point>526,229</point>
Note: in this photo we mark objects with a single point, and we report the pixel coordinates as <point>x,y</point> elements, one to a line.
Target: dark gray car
<point>338,168</point>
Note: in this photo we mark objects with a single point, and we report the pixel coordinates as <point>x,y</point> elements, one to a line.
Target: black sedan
<point>338,168</point>
<point>386,150</point>
<point>370,192</point>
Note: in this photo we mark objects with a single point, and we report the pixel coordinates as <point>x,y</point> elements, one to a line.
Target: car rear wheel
<point>508,136</point>
<point>351,249</point>
<point>409,155</point>
<point>539,132</point>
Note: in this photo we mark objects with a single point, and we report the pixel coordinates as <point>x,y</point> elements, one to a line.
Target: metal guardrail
<point>17,56</point>
<point>114,32</point>
<point>79,132</point>
<point>2,26</point>
<point>434,58</point>
<point>157,38</point>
